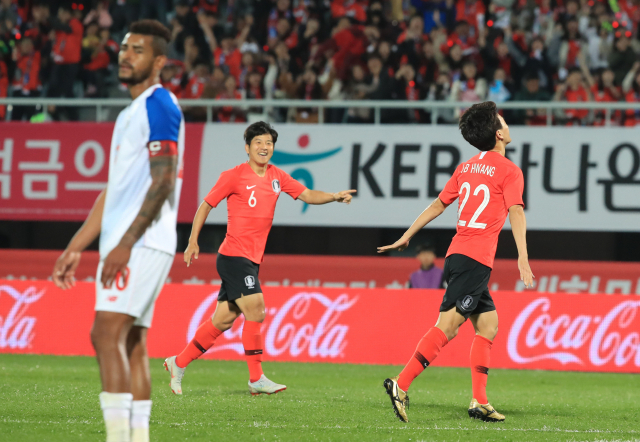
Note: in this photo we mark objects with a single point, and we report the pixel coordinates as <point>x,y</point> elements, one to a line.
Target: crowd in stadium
<point>456,50</point>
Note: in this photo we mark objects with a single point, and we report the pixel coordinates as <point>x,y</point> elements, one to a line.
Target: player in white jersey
<point>135,217</point>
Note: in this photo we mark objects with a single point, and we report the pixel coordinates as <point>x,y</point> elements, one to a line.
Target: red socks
<point>252,343</point>
<point>480,358</point>
<point>427,350</point>
<point>201,342</point>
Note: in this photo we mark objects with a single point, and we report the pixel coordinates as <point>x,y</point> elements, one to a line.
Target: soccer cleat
<point>177,374</point>
<point>485,412</point>
<point>266,386</point>
<point>399,398</point>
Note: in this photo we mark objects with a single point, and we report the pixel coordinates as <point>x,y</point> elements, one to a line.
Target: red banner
<point>367,326</point>
<point>354,272</point>
<point>57,171</point>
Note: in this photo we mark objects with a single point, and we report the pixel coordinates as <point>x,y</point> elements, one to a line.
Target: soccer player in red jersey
<point>252,190</point>
<point>489,188</point>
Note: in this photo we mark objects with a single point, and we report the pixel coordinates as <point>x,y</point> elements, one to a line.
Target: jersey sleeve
<point>164,123</point>
<point>291,186</point>
<point>221,190</point>
<point>450,191</point>
<point>513,188</point>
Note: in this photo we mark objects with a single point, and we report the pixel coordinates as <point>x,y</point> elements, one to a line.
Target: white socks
<point>140,413</point>
<point>116,409</point>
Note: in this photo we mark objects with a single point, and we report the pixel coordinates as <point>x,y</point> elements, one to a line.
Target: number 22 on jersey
<point>473,222</point>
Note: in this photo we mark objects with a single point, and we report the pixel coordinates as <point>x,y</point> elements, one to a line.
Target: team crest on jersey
<point>250,281</point>
<point>275,185</point>
<point>466,302</point>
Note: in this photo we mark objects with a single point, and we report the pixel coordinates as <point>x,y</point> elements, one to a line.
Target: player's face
<point>261,149</point>
<point>506,136</point>
<point>136,59</point>
<point>426,258</point>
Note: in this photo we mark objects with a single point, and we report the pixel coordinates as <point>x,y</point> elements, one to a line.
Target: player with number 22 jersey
<point>488,188</point>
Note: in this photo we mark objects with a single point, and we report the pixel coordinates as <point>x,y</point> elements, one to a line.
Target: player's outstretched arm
<point>429,214</point>
<point>519,228</point>
<point>66,265</point>
<point>318,197</point>
<point>163,180</point>
<point>198,221</point>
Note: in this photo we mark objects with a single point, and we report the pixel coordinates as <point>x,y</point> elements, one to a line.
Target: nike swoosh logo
<point>251,187</point>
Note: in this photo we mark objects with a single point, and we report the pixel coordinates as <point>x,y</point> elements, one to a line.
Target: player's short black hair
<point>479,124</point>
<point>160,33</point>
<point>427,246</point>
<point>260,128</point>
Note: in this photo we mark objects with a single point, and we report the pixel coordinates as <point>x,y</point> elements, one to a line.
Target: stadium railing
<point>102,106</point>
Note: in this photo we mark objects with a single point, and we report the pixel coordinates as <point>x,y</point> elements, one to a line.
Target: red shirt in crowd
<point>194,88</point>
<point>574,96</point>
<point>228,114</point>
<point>251,203</point>
<point>349,8</point>
<point>232,60</point>
<point>470,12</point>
<point>486,187</point>
<point>27,74</point>
<point>66,49</point>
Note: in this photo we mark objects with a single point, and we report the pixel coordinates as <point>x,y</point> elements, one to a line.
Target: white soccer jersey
<point>153,116</point>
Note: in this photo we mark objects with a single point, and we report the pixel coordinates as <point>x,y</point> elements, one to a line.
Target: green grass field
<point>48,398</point>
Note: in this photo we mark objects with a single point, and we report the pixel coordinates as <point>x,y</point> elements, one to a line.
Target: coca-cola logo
<point>613,337</point>
<point>307,322</point>
<point>16,329</point>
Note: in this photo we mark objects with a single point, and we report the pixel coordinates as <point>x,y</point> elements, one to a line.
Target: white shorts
<point>135,294</point>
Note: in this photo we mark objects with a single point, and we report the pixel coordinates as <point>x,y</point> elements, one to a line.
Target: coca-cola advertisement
<point>570,332</point>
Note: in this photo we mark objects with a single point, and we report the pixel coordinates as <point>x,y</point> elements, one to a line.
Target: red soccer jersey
<point>251,202</point>
<point>486,185</point>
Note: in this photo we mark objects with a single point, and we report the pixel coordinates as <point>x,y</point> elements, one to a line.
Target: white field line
<point>480,427</point>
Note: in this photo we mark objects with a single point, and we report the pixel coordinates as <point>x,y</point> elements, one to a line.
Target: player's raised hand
<point>344,196</point>
<point>526,275</point>
<point>115,263</point>
<point>65,269</point>
<point>191,253</point>
<point>399,245</point>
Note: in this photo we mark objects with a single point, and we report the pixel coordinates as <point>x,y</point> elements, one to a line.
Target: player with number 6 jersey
<point>252,190</point>
<point>488,188</point>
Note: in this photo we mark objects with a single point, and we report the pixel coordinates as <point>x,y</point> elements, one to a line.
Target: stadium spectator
<point>531,92</point>
<point>574,90</point>
<point>470,87</point>
<point>100,15</point>
<point>171,76</point>
<point>605,91</point>
<point>621,58</point>
<point>631,88</point>
<point>428,276</point>
<point>95,61</point>
<point>230,114</point>
<point>26,77</point>
<point>66,58</point>
<point>502,43</point>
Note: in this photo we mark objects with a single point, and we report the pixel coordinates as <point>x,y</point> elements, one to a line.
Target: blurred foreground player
<point>251,190</point>
<point>135,217</point>
<point>489,187</point>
